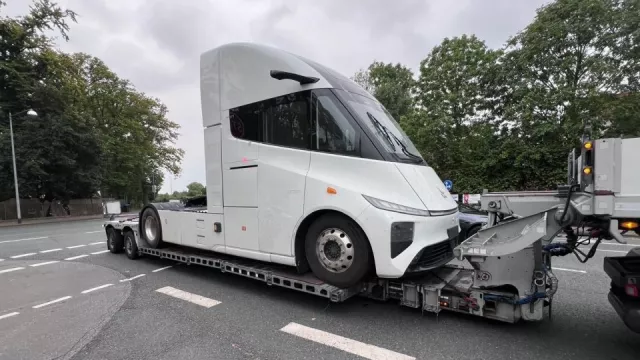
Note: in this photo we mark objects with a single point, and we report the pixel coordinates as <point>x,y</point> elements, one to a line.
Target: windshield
<point>374,116</point>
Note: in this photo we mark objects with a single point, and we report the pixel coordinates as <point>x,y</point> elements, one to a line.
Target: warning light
<point>587,170</point>
<point>630,225</point>
<point>331,191</point>
<point>588,145</point>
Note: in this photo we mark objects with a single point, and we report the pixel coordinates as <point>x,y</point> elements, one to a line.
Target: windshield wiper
<point>382,129</point>
<point>388,135</point>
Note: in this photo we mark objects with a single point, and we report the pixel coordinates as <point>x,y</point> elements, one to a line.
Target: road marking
<point>93,232</point>
<point>98,243</point>
<point>77,257</point>
<point>1,259</point>
<point>22,255</point>
<point>10,270</point>
<point>618,244</point>
<point>345,344</point>
<point>75,246</point>
<point>132,278</point>
<point>17,240</point>
<point>50,250</point>
<point>615,251</point>
<point>572,270</point>
<point>45,263</point>
<point>52,302</point>
<point>9,315</point>
<point>100,252</point>
<point>186,296</point>
<point>163,268</point>
<point>96,288</point>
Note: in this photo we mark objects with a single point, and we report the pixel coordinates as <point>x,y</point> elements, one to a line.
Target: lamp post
<point>29,112</point>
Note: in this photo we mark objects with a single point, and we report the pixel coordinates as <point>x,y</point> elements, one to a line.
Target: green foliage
<point>505,119</point>
<point>94,131</point>
<point>193,189</point>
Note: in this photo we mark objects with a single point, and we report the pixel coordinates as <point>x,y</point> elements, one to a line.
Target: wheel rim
<point>150,228</point>
<point>335,250</point>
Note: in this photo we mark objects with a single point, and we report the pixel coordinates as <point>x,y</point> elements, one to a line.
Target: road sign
<point>448,184</point>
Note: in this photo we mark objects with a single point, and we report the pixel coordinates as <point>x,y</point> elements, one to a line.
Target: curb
<point>27,222</point>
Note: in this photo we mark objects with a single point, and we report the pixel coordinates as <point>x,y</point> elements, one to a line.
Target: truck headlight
<point>389,206</point>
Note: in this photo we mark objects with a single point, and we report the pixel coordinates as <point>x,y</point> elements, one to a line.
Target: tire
<point>151,228</point>
<point>351,257</point>
<point>130,246</point>
<point>115,241</point>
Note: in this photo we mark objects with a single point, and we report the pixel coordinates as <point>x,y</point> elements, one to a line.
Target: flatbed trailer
<point>454,287</point>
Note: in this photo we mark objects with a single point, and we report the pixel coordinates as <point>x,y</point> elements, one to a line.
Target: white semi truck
<point>313,186</point>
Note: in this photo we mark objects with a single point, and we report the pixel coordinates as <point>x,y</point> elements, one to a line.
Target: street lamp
<point>29,112</point>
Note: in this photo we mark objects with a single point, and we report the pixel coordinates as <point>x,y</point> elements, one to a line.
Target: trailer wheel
<point>151,228</point>
<point>115,241</point>
<point>130,246</point>
<point>338,251</point>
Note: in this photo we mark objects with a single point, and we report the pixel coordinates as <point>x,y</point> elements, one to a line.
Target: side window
<point>333,131</point>
<point>246,122</point>
<point>287,120</point>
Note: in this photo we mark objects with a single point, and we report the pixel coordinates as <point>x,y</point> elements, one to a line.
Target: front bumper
<point>432,245</point>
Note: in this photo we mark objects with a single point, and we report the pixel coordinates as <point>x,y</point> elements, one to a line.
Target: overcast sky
<point>156,43</point>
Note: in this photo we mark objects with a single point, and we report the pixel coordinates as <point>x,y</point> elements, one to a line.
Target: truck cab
<point>307,169</point>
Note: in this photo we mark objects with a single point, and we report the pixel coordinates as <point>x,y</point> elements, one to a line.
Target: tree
<point>95,130</point>
<point>195,189</point>
<point>391,84</point>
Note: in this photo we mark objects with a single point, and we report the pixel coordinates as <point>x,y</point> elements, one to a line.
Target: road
<point>63,296</point>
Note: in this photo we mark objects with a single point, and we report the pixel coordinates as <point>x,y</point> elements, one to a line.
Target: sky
<point>157,43</point>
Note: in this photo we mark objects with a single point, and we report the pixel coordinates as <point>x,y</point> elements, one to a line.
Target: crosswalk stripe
<point>367,351</point>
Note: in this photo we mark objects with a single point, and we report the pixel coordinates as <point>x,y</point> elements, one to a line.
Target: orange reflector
<point>587,170</point>
<point>331,190</point>
<point>588,145</point>
<point>629,225</point>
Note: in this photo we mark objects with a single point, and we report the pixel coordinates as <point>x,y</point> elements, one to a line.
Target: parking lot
<point>63,295</point>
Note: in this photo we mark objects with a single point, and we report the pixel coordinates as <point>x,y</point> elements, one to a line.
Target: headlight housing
<point>389,206</point>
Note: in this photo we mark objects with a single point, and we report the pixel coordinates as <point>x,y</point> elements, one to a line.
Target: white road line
<point>163,268</point>
<point>1,259</point>
<point>100,252</point>
<point>44,263</point>
<point>17,240</point>
<point>77,257</point>
<point>618,244</point>
<point>132,278</point>
<point>186,296</point>
<point>9,315</point>
<point>93,232</point>
<point>50,250</point>
<point>571,270</point>
<point>615,251</point>
<point>52,302</point>
<point>96,288</point>
<point>22,255</point>
<point>98,243</point>
<point>75,246</point>
<point>345,344</point>
<point>10,270</point>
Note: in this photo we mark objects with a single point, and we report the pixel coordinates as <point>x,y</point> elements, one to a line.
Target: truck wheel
<point>151,228</point>
<point>115,241</point>
<point>337,251</point>
<point>130,246</point>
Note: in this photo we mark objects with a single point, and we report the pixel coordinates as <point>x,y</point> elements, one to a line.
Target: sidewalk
<point>58,219</point>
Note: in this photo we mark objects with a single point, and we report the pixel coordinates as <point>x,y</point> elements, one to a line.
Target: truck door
<point>282,169</point>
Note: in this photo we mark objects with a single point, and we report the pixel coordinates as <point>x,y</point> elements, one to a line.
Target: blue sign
<point>448,184</point>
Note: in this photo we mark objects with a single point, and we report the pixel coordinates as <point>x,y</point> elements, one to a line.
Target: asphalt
<point>245,319</point>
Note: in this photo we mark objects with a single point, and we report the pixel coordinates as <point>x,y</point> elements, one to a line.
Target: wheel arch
<point>300,257</point>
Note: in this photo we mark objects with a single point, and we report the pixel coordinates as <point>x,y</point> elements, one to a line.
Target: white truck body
<point>271,166</point>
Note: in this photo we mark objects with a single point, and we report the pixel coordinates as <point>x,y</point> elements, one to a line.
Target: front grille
<point>434,255</point>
